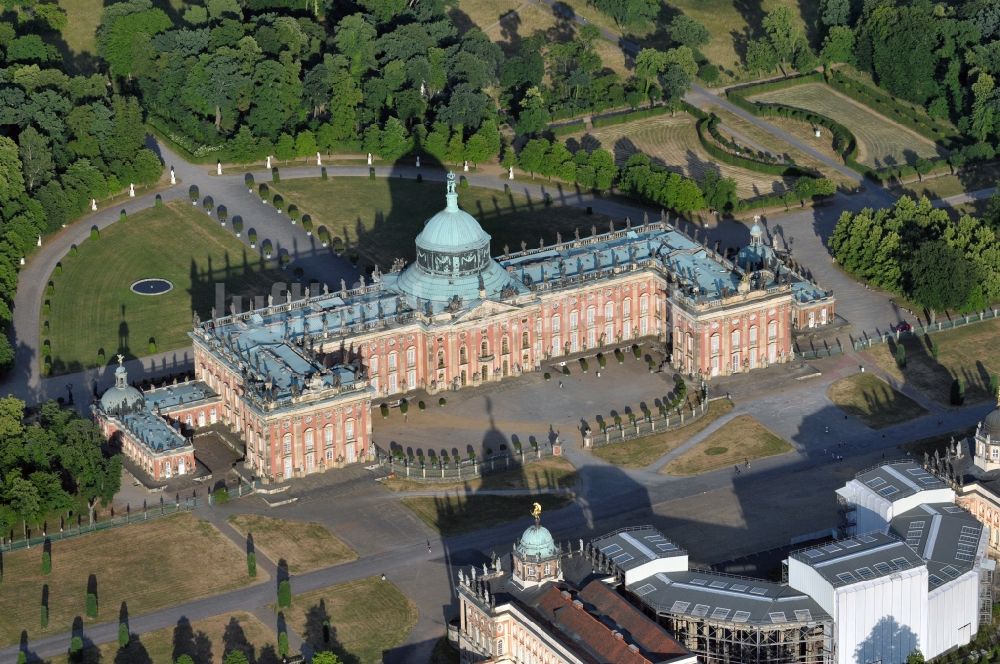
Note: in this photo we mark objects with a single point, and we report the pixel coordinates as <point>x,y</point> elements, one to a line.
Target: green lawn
<point>92,306</point>
<point>871,400</point>
<point>82,19</point>
<point>453,515</point>
<point>366,617</point>
<point>742,438</point>
<point>379,219</point>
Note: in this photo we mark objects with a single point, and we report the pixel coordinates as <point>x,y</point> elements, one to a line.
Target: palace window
<point>591,316</point>
<point>349,430</point>
<point>328,435</point>
<point>734,339</point>
<point>753,336</point>
<point>463,355</point>
<point>373,364</point>
<point>309,439</point>
<point>772,330</point>
<point>643,305</point>
<point>504,346</point>
<point>392,361</point>
<point>556,345</point>
<point>286,443</point>
<point>524,341</point>
<point>609,310</point>
<point>626,307</point>
<point>440,359</point>
<point>573,320</point>
<point>411,356</point>
<point>715,344</point>
<point>484,349</point>
<point>555,323</point>
<point>499,646</point>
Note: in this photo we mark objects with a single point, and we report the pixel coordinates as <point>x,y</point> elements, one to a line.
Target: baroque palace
<point>297,379</point>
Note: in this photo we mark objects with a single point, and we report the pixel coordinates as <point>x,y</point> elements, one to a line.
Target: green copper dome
<point>453,258</point>
<point>122,398</point>
<point>537,541</point>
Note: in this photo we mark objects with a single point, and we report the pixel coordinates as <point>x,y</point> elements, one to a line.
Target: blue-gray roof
<point>153,431</point>
<point>182,394</point>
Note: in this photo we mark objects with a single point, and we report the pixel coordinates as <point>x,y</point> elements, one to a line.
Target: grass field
<point>973,177</point>
<point>641,452</point>
<point>303,546</point>
<point>971,353</point>
<point>673,143</point>
<point>92,306</point>
<point>380,218</point>
<point>881,142</point>
<point>207,641</point>
<point>741,438</point>
<point>149,566</point>
<point>548,473</point>
<point>82,19</point>
<point>873,401</point>
<point>366,618</point>
<point>453,515</point>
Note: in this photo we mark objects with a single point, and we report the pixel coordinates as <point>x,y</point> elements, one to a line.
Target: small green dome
<point>537,541</point>
<point>122,398</point>
<point>452,230</point>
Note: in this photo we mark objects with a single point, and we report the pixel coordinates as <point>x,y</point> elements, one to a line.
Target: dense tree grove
<point>914,249</point>
<point>63,141</point>
<point>54,464</point>
<point>952,54</point>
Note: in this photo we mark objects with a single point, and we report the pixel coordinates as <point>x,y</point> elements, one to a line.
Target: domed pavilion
<point>536,558</point>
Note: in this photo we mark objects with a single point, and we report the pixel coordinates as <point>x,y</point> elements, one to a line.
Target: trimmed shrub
<point>629,116</point>
<point>583,364</point>
<point>279,201</point>
<point>284,594</point>
<point>252,564</point>
<point>283,643</point>
<point>421,406</point>
<point>220,496</point>
<point>238,225</point>
<point>275,176</point>
<point>636,351</point>
<point>264,192</point>
<point>371,173</point>
<point>91,605</point>
<point>248,180</point>
<point>442,401</point>
<point>567,128</point>
<point>95,233</point>
<point>957,392</point>
<point>73,249</point>
<point>565,370</point>
<point>384,409</point>
<point>267,247</point>
<point>158,201</point>
<point>46,562</point>
<point>548,376</point>
<point>293,212</point>
<point>322,233</point>
<point>307,224</point>
<point>45,616</point>
<point>404,406</point>
<point>123,635</point>
<point>252,236</point>
<point>75,648</point>
<point>322,173</point>
<point>193,193</point>
<point>122,216</point>
<point>223,213</point>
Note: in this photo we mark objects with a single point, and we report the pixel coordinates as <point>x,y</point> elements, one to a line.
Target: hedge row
<point>629,116</point>
<point>568,128</point>
<point>892,108</point>
<point>753,88</point>
<point>726,157</point>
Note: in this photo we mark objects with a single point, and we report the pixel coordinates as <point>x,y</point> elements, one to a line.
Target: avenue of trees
<point>50,465</point>
<point>916,250</point>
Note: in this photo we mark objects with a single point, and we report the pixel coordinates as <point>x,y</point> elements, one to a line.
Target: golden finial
<point>536,511</point>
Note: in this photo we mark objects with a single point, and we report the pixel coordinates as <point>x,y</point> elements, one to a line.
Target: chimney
<point>566,594</point>
<point>618,635</point>
<point>578,604</point>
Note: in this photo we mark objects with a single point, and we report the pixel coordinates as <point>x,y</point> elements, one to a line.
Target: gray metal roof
<point>182,394</point>
<point>629,548</point>
<point>153,431</point>
<point>895,481</point>
<point>866,556</point>
<point>722,598</point>
<point>945,535</point>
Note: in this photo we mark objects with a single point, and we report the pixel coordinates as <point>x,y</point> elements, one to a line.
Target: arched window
<point>555,323</point>
<point>753,336</point>
<point>524,340</point>
<point>574,318</point>
<point>286,443</point>
<point>772,330</point>
<point>392,361</point>
<point>484,348</point>
<point>627,307</point>
<point>328,435</point>
<point>309,440</point>
<point>440,359</point>
<point>643,305</point>
<point>734,339</point>
<point>591,316</point>
<point>411,356</point>
<point>463,355</point>
<point>349,430</point>
<point>504,346</point>
<point>609,310</point>
<point>714,343</point>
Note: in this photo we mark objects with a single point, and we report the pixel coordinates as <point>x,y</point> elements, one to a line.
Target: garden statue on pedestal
<point>93,205</point>
<point>131,190</point>
<point>268,162</point>
<point>418,161</point>
<point>319,159</point>
<point>369,158</point>
<point>510,173</point>
<point>173,178</point>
